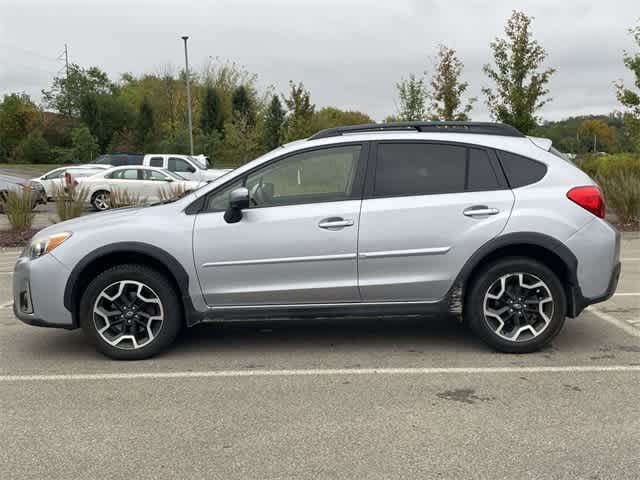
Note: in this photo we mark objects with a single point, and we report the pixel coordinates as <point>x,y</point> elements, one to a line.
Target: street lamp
<point>186,68</point>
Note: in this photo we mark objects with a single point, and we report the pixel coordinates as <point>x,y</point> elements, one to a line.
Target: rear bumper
<point>581,302</point>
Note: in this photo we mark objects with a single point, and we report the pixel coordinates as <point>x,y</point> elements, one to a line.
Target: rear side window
<point>156,162</point>
<point>419,169</point>
<point>521,171</point>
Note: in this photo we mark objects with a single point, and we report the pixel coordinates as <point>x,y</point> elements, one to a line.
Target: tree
<point>274,121</point>
<point>105,115</point>
<point>447,89</point>
<point>211,117</point>
<point>67,92</point>
<point>413,97</point>
<point>32,149</point>
<point>330,117</point>
<point>242,105</point>
<point>300,116</point>
<point>520,88</point>
<point>145,124</point>
<point>630,99</point>
<point>18,116</point>
<point>84,145</point>
<point>595,131</point>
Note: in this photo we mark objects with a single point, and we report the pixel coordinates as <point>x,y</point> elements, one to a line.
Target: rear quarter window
<point>521,171</point>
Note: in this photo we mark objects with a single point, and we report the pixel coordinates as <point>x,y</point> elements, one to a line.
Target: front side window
<point>317,176</point>
<point>419,169</point>
<point>55,174</point>
<point>219,201</point>
<point>179,165</point>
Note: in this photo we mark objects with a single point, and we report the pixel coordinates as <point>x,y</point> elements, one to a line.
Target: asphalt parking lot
<point>389,398</point>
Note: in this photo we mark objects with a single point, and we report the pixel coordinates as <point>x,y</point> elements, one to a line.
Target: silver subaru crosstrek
<point>471,219</point>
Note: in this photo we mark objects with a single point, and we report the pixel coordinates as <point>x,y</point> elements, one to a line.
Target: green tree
<point>242,105</point>
<point>84,145</point>
<point>32,149</point>
<point>145,124</point>
<point>18,116</point>
<point>211,117</point>
<point>412,94</point>
<point>106,115</point>
<point>629,98</point>
<point>447,88</point>
<point>274,121</point>
<point>520,87</point>
<point>299,122</point>
<point>67,92</point>
<point>329,117</point>
<point>597,134</point>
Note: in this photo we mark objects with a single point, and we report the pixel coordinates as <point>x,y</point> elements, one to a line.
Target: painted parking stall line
<point>320,373</point>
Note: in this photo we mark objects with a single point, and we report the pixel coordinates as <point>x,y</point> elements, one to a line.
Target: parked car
<point>59,177</point>
<point>9,183</point>
<point>471,219</point>
<point>143,182</point>
<point>191,168</point>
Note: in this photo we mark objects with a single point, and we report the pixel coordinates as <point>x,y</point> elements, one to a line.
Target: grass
<point>28,169</point>
<point>70,202</point>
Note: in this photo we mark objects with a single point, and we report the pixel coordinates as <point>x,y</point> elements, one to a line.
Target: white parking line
<point>630,259</point>
<point>320,372</point>
<point>627,294</point>
<point>621,324</point>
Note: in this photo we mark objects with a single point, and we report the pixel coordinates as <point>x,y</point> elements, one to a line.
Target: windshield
<point>198,162</point>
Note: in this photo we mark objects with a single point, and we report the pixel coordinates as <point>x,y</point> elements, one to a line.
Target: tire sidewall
<point>474,305</point>
<point>93,200</point>
<point>159,284</point>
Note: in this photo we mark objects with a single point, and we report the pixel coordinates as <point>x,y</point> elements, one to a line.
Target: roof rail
<point>484,128</point>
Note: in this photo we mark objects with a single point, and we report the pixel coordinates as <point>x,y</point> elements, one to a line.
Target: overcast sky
<point>349,53</point>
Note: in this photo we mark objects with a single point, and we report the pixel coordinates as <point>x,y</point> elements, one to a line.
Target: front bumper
<point>38,291</point>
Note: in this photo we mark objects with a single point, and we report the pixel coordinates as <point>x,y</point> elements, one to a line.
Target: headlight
<point>40,246</point>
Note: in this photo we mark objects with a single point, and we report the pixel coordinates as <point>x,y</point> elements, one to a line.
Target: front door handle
<point>335,223</point>
<point>480,211</point>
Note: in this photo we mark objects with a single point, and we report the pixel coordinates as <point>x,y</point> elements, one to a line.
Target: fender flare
<point>174,267</point>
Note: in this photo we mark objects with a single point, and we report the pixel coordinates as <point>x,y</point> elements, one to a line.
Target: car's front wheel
<point>516,305</point>
<point>130,312</point>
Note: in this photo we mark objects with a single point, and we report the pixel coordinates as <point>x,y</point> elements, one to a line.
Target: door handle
<point>480,211</point>
<point>335,222</point>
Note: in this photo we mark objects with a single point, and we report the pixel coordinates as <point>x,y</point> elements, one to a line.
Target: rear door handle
<point>335,223</point>
<point>480,211</point>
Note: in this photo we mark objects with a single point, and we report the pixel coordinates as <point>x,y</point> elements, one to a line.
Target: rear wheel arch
<point>139,253</point>
<point>545,249</point>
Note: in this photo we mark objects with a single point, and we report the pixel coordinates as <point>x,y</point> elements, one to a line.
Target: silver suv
<point>471,219</point>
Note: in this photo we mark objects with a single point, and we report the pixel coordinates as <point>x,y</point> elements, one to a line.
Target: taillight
<point>590,198</point>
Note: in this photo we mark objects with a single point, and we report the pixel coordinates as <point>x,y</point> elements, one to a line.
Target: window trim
<point>198,205</point>
<point>369,191</point>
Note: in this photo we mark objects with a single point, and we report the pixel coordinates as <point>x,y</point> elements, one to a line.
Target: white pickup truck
<point>191,168</point>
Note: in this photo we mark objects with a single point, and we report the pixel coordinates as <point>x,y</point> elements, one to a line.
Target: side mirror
<point>238,200</point>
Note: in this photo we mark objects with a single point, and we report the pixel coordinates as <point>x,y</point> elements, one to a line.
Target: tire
<point>136,330</point>
<point>100,201</point>
<point>532,305</point>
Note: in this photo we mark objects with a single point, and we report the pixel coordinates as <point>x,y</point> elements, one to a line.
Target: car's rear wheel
<point>516,305</point>
<point>130,312</point>
<point>101,200</point>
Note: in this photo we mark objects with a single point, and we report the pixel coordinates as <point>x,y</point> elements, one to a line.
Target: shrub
<point>122,198</point>
<point>622,192</point>
<point>70,202</point>
<point>18,205</point>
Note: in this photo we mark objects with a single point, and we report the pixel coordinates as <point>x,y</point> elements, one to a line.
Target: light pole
<point>186,69</point>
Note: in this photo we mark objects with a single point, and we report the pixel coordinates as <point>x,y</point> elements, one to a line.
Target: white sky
<point>349,53</point>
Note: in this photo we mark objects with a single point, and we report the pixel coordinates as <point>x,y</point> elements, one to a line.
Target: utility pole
<point>186,69</point>
<point>66,83</point>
